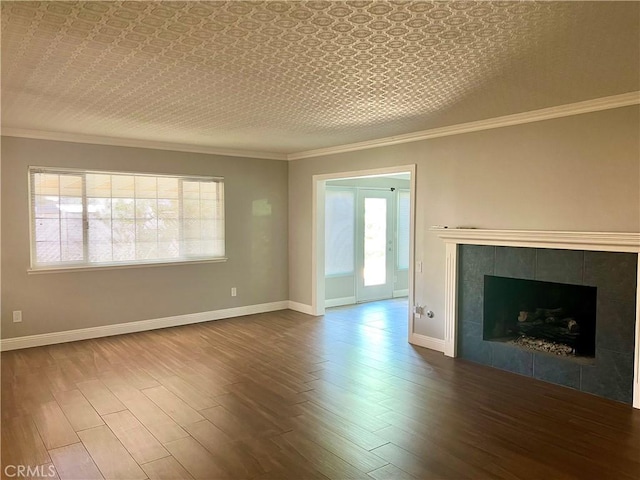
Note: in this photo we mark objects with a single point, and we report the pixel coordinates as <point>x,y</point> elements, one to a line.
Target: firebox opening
<point>556,318</point>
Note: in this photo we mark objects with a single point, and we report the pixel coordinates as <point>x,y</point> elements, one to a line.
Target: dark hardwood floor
<point>285,395</point>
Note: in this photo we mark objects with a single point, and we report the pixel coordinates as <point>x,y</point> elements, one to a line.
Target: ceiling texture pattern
<point>288,76</point>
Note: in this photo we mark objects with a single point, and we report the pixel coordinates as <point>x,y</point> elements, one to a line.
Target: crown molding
<point>587,106</point>
<point>131,142</point>
<point>594,105</point>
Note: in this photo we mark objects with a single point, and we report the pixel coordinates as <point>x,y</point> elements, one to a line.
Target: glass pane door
<point>375,241</point>
<point>375,246</point>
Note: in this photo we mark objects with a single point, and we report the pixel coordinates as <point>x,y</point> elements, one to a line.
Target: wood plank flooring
<point>285,395</point>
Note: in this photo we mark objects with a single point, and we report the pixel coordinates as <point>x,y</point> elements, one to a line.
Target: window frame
<point>85,264</point>
<point>399,268</point>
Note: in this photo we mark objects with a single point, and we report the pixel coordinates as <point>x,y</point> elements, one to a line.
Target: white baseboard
<point>339,302</point>
<point>401,293</point>
<point>300,307</point>
<point>436,344</point>
<point>139,326</point>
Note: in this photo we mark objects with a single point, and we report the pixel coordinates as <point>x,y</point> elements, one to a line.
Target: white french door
<point>374,245</point>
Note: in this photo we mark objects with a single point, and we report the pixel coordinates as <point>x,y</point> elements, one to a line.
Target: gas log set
<point>554,318</point>
<point>547,329</point>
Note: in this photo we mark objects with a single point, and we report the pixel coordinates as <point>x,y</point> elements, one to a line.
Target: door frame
<point>317,232</point>
<point>390,231</point>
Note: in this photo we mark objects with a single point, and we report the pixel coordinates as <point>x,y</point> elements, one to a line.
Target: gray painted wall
<point>256,245</point>
<point>574,173</point>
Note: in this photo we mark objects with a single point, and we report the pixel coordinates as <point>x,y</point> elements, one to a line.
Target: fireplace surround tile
<point>615,276</point>
<point>613,273</point>
<point>515,262</point>
<point>478,262</point>
<point>511,358</point>
<point>609,377</point>
<point>561,266</point>
<point>472,347</point>
<point>554,369</point>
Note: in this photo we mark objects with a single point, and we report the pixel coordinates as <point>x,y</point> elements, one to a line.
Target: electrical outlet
<point>17,316</point>
<point>234,292</point>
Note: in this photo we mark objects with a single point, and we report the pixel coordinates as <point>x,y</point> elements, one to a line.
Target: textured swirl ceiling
<point>288,76</point>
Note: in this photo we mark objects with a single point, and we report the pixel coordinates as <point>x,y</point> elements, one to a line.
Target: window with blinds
<point>88,218</point>
<point>340,225</point>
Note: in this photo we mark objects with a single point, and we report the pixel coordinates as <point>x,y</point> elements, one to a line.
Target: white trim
<point>602,241</point>
<point>594,105</point>
<point>598,241</point>
<point>371,172</point>
<point>137,143</point>
<point>383,290</point>
<point>431,343</point>
<point>401,293</point>
<point>451,300</point>
<point>636,367</point>
<point>318,275</point>
<point>300,307</point>
<point>339,302</point>
<point>139,326</point>
<point>412,246</point>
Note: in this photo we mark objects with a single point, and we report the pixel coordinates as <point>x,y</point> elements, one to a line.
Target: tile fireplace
<point>561,307</point>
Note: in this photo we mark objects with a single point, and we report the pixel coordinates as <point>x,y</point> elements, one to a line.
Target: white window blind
<point>339,232</point>
<point>404,209</point>
<point>86,218</point>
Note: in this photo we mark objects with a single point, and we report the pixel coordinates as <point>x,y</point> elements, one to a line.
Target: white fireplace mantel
<point>602,241</point>
<point>595,241</point>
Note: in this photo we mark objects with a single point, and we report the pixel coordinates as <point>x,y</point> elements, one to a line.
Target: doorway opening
<point>363,237</point>
<point>366,239</point>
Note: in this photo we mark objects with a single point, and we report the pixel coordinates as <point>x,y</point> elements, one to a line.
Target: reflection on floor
<point>389,315</point>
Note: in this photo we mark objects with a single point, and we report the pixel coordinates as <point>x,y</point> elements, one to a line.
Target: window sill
<point>116,266</point>
<point>340,275</point>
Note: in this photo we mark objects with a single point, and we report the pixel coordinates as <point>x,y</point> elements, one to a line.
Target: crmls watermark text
<point>28,471</point>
